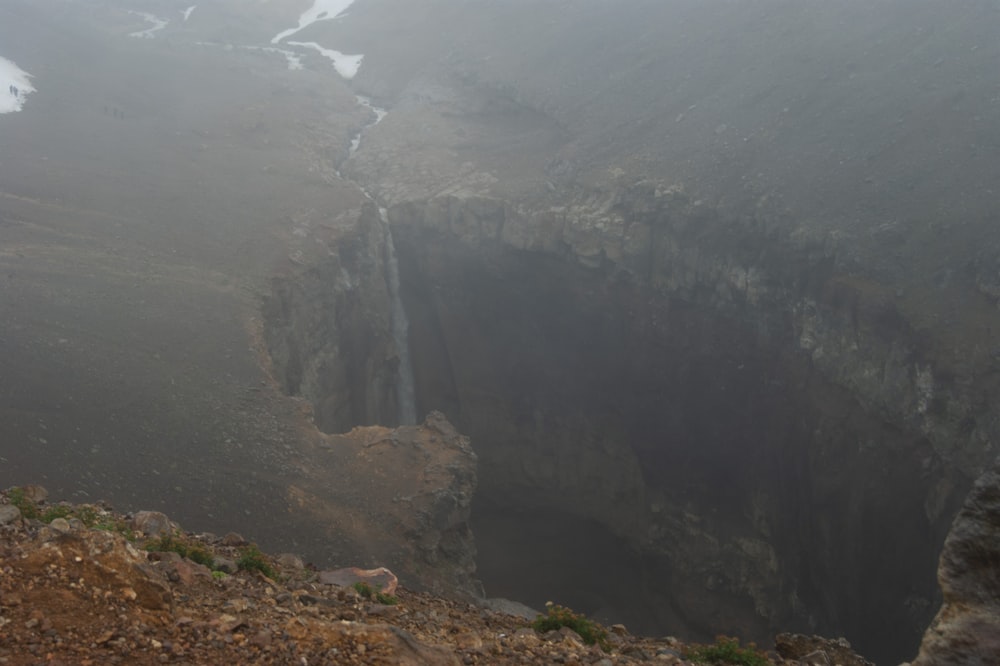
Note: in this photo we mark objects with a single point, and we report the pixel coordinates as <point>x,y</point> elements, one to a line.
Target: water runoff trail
<point>347,66</point>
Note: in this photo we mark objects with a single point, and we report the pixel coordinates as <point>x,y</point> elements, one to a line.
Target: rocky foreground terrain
<point>84,584</point>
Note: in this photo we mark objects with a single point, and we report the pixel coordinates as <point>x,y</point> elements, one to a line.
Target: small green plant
<point>85,513</point>
<point>252,559</point>
<point>113,524</point>
<point>727,651</point>
<point>56,511</point>
<point>172,544</point>
<point>25,506</point>
<point>560,616</point>
<point>219,575</point>
<point>376,594</point>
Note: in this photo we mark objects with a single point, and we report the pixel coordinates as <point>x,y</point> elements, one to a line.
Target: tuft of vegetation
<point>375,593</point>
<point>110,523</point>
<point>251,559</point>
<point>219,575</point>
<point>173,544</point>
<point>27,508</point>
<point>89,515</point>
<point>727,651</point>
<point>560,616</point>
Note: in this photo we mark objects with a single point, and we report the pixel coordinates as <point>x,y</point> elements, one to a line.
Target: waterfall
<point>406,406</point>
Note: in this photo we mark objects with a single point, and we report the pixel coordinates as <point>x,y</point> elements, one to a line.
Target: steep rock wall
<point>753,420</point>
<point>753,437</point>
<point>327,329</point>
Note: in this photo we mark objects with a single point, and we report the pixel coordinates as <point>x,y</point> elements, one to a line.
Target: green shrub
<point>251,559</point>
<point>27,508</point>
<point>113,524</point>
<point>368,592</point>
<point>727,651</point>
<point>560,616</point>
<point>56,511</point>
<point>172,544</point>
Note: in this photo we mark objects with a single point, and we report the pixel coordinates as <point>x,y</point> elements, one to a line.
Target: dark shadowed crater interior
<point>660,459</point>
<point>638,451</point>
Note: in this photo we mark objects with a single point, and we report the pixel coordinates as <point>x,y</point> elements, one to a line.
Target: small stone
<point>35,494</point>
<point>233,539</point>
<point>291,561</point>
<point>570,636</point>
<point>225,565</point>
<point>261,639</point>
<point>10,600</point>
<point>9,514</point>
<point>188,572</point>
<point>60,525</point>
<point>619,629</point>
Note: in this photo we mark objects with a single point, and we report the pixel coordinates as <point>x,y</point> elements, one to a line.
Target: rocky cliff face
<point>328,332</point>
<point>965,630</point>
<point>709,319</point>
<point>723,400</point>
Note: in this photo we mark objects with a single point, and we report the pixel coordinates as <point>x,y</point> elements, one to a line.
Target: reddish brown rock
<point>380,579</point>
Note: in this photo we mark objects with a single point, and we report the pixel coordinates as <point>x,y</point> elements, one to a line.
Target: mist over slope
<point>712,286</point>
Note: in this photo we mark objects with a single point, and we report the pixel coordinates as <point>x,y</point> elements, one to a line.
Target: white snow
<point>346,65</point>
<point>12,75</point>
<point>156,21</point>
<point>322,10</point>
<point>380,113</point>
<point>186,13</point>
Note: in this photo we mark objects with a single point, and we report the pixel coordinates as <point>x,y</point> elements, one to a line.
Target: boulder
<point>9,514</point>
<point>152,523</point>
<point>35,494</point>
<point>380,579</point>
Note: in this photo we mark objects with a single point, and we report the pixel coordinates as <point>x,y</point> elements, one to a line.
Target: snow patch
<point>186,13</point>
<point>322,10</point>
<point>13,77</point>
<point>346,65</point>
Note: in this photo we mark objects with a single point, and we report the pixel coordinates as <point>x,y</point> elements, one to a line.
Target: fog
<point>712,286</point>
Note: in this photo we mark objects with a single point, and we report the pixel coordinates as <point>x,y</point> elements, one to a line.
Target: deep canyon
<point>714,301</point>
